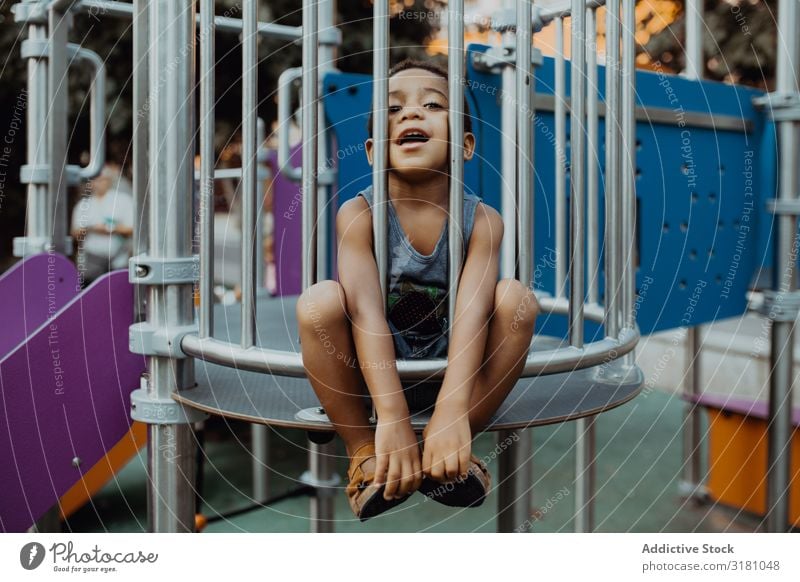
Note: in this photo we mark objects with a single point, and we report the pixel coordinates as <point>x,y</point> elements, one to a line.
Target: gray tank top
<point>417,288</point>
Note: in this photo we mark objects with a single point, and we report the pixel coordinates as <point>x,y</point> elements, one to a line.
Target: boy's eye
<point>433,105</point>
<point>394,108</point>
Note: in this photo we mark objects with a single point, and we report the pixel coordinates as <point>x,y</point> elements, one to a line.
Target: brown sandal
<point>467,492</point>
<point>366,498</point>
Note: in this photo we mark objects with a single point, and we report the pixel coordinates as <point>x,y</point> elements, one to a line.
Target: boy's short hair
<point>431,67</point>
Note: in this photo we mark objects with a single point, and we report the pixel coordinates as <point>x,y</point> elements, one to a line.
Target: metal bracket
<point>506,20</point>
<point>779,306</point>
<point>29,13</point>
<point>25,246</point>
<point>144,270</point>
<point>780,106</point>
<point>783,206</point>
<point>324,487</point>
<point>149,410</point>
<point>494,59</point>
<point>40,174</point>
<point>149,340</point>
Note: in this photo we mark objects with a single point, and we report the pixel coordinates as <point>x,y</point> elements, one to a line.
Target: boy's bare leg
<point>331,364</point>
<point>510,333</point>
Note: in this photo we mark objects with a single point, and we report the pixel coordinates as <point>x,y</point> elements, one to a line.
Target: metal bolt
<point>76,462</point>
<point>141,271</point>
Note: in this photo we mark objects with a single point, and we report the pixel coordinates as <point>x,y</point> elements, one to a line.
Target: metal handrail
<point>540,363</point>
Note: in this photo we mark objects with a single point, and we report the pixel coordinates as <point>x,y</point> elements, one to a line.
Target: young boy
<point>349,345</point>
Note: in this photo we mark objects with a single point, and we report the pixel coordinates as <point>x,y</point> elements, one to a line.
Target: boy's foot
<point>366,498</point>
<point>467,492</point>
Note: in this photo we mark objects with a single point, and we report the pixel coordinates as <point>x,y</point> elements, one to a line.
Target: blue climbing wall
<point>705,164</point>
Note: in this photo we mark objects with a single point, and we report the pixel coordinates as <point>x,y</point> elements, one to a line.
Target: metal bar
<point>577,174</point>
<point>515,495</point>
<point>613,249</point>
<point>593,159</point>
<point>223,23</point>
<point>37,226</point>
<point>141,124</point>
<point>525,150</point>
<point>585,475</point>
<point>560,120</point>
<point>310,112</point>
<point>380,128</point>
<point>629,155</point>
<point>779,419</point>
<point>693,11</point>
<point>171,458</point>
<point>322,456</point>
<point>207,159</point>
<point>692,482</point>
<point>663,116</point>
<point>455,65</point>
<point>515,468</point>
<point>508,161</point>
<point>289,363</point>
<point>59,24</point>
<point>249,164</point>
<point>262,173</point>
<point>577,239</point>
<point>285,81</point>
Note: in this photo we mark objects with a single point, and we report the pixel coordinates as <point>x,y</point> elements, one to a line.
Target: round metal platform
<point>291,402</point>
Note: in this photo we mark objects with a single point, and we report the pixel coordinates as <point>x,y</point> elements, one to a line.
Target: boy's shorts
<point>420,396</point>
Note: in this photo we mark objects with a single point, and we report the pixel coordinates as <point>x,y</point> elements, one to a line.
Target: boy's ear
<point>368,146</point>
<point>469,146</point>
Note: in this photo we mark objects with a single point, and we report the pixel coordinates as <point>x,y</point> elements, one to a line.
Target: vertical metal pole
<point>692,479</point>
<point>583,443</point>
<point>207,159</point>
<point>249,167</point>
<point>57,115</point>
<point>322,456</point>
<point>593,157</point>
<point>141,123</point>
<point>694,39</point>
<point>170,451</point>
<point>560,114</point>
<point>37,228</point>
<point>261,177</point>
<point>515,490</point>
<point>779,420</point>
<point>380,128</point>
<point>455,64</point>
<point>310,111</point>
<point>628,157</point>
<point>508,160</point>
<point>612,175</point>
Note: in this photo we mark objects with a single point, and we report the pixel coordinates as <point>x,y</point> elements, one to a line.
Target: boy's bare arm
<point>448,439</point>
<point>358,275</point>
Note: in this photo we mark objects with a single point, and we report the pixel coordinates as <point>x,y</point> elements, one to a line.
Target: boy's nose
<point>411,112</point>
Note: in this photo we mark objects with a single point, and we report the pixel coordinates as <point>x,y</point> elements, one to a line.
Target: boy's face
<point>419,125</point>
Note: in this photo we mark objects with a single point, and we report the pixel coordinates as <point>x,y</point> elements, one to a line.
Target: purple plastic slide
<point>65,399</point>
<point>32,291</point>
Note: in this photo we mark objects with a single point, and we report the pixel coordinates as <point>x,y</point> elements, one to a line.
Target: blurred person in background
<point>102,225</point>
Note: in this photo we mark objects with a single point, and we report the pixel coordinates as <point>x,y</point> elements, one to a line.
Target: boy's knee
<point>321,304</point>
<point>515,302</point>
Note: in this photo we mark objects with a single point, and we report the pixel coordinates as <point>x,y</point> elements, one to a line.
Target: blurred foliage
<point>739,39</point>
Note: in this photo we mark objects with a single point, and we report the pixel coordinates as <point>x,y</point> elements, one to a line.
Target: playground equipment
<point>586,276</point>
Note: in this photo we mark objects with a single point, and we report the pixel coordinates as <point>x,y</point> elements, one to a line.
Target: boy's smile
<point>419,126</point>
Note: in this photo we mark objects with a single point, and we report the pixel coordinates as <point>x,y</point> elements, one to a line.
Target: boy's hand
<point>447,445</point>
<point>398,462</point>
